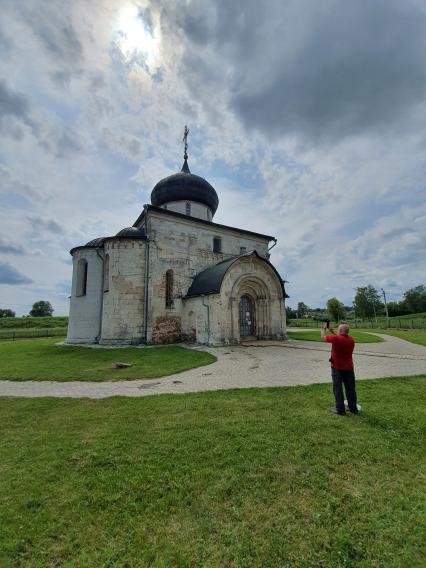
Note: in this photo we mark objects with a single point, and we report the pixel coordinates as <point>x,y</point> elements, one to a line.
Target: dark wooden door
<point>246,317</point>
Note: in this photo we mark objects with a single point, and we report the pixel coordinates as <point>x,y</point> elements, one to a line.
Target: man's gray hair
<point>344,328</point>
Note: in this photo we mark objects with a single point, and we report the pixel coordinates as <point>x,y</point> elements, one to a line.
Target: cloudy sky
<point>309,119</point>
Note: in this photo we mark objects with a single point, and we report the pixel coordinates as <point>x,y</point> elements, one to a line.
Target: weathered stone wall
<point>115,308</point>
<point>167,329</point>
<point>85,311</point>
<point>195,319</point>
<point>123,305</point>
<point>252,277</point>
<point>217,321</point>
<point>186,248</point>
<point>197,209</point>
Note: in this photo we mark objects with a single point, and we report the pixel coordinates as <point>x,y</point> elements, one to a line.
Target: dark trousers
<point>346,378</point>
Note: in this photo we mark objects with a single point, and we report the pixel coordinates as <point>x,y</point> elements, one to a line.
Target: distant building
<point>175,275</point>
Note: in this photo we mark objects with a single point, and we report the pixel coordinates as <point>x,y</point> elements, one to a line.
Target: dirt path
<point>259,364</point>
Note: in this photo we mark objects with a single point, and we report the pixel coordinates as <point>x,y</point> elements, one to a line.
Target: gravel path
<point>258,364</point>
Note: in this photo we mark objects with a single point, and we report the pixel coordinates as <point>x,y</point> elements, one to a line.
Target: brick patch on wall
<point>167,330</point>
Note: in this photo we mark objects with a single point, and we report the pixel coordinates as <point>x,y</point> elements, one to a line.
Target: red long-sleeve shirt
<point>342,347</point>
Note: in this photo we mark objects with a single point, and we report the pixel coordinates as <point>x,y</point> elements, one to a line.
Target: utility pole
<point>386,306</point>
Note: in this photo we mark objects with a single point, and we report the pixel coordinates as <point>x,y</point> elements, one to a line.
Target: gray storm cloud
<point>14,109</point>
<point>310,115</point>
<point>325,70</point>
<point>8,247</point>
<point>10,275</point>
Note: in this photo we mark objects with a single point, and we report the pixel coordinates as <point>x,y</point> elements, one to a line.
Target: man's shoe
<point>359,407</point>
<point>335,411</point>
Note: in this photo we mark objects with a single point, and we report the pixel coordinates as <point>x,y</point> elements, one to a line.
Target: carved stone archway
<point>219,290</point>
<point>256,290</point>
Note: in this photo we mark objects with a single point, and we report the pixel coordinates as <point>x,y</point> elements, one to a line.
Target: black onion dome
<point>132,233</point>
<point>185,186</point>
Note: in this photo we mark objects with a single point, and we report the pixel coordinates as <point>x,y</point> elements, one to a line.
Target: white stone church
<point>176,275</point>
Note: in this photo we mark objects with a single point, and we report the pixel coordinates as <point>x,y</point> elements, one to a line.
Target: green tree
<point>367,302</point>
<point>6,313</point>
<point>291,314</point>
<point>415,299</point>
<point>302,310</point>
<point>41,309</point>
<point>397,309</point>
<point>335,309</point>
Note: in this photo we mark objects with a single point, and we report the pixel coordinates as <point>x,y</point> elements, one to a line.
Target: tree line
<point>368,303</point>
<point>40,309</point>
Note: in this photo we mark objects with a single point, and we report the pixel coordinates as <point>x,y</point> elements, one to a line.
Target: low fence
<point>366,324</point>
<point>23,333</point>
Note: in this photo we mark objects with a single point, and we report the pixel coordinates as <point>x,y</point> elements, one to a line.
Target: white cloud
<point>308,132</point>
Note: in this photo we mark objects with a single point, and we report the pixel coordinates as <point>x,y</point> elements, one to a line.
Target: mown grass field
<point>420,315</point>
<point>23,323</point>
<point>42,360</point>
<point>259,477</point>
<point>359,336</point>
<point>27,332</point>
<point>367,336</point>
<point>414,336</point>
<point>411,321</point>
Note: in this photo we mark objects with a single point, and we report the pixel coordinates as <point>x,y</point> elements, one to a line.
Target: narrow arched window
<point>81,287</point>
<point>106,273</point>
<point>188,208</point>
<point>217,244</point>
<point>169,289</point>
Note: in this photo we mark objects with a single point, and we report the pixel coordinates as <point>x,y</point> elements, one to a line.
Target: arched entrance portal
<point>246,316</point>
<point>256,304</point>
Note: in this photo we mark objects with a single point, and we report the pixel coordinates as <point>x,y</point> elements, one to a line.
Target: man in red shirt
<point>342,367</point>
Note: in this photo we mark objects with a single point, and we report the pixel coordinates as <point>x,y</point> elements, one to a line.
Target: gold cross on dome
<point>185,141</point>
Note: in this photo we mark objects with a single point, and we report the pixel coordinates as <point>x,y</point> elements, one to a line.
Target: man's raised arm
<point>326,331</point>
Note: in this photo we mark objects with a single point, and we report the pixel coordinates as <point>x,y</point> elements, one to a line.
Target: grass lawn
<point>27,332</point>
<point>419,315</point>
<point>359,336</point>
<point>29,322</point>
<point>259,477</point>
<point>413,336</point>
<point>42,360</point>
